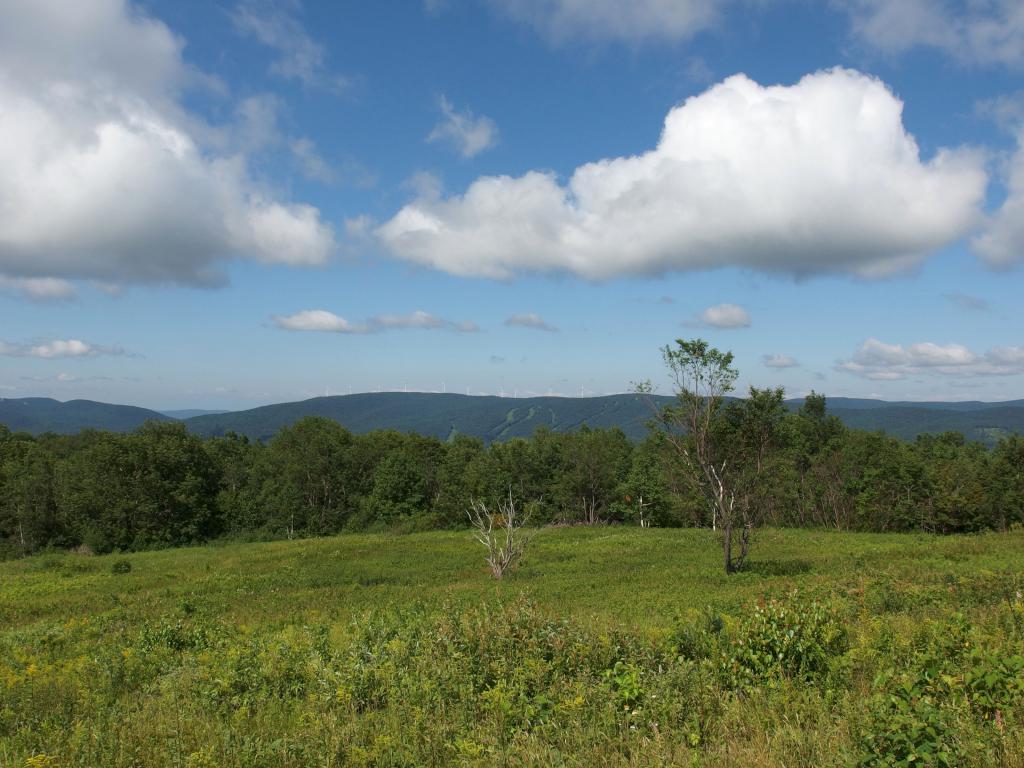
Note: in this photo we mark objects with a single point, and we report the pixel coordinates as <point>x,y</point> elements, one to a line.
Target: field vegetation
<point>608,646</point>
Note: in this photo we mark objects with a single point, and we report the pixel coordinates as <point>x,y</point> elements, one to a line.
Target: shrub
<point>907,727</point>
<point>121,566</point>
<point>698,639</point>
<point>796,641</point>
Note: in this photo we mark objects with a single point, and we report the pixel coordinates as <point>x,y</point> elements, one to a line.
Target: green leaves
<point>927,707</point>
<point>794,640</point>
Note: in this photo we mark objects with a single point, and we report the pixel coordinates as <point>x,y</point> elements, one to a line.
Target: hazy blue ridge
<point>188,413</point>
<point>502,418</point>
<point>489,418</point>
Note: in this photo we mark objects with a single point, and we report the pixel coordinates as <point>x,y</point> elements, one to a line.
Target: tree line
<point>161,486</point>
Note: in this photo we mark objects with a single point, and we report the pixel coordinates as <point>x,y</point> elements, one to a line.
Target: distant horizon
<point>165,411</point>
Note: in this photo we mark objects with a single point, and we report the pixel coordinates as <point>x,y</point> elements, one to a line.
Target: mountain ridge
<point>492,418</point>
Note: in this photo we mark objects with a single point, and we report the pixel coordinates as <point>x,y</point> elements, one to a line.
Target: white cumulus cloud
<point>470,134</point>
<point>106,174</point>
<point>317,320</point>
<point>725,316</point>
<point>816,177</point>
<point>880,361</point>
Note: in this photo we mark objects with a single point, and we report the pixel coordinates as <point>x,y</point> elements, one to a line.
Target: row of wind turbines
<point>501,392</point>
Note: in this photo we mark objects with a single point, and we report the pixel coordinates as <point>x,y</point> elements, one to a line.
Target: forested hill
<point>439,415</point>
<point>493,418</point>
<point>43,414</point>
<point>502,418</point>
<point>984,424</point>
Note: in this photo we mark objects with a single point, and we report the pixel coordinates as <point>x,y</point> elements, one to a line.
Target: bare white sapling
<point>501,532</point>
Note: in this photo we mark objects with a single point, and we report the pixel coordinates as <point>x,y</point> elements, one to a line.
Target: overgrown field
<point>609,646</point>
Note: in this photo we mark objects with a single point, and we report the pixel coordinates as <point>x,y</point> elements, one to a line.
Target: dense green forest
<point>162,486</point>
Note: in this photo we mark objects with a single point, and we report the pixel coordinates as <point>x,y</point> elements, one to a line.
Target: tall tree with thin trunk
<point>692,426</point>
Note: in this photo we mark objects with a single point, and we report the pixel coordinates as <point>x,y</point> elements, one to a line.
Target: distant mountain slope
<point>43,414</point>
<point>491,418</point>
<point>985,425</point>
<point>188,413</point>
<point>859,403</point>
<point>438,415</point>
<point>501,418</point>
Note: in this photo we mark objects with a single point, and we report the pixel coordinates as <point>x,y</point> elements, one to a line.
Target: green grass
<point>382,650</point>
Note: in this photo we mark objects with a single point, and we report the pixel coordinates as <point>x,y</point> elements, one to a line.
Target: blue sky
<point>225,204</point>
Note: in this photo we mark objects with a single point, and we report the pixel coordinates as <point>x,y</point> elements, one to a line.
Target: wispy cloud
<point>58,348</point>
<point>39,288</point>
<point>638,20</point>
<point>311,163</point>
<point>65,378</point>
<point>966,301</point>
<point>530,320</point>
<point>329,322</point>
<point>299,57</point>
<point>989,32</point>
<point>469,134</point>
<point>779,361</point>
<point>423,320</point>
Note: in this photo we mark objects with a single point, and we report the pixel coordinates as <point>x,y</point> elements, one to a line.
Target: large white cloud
<point>820,176</point>
<point>104,172</point>
<point>880,361</point>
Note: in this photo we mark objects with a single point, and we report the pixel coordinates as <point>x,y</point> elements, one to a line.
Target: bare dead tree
<point>590,510</point>
<point>500,532</point>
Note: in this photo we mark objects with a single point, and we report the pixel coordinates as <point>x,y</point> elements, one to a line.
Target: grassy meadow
<point>609,645</point>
